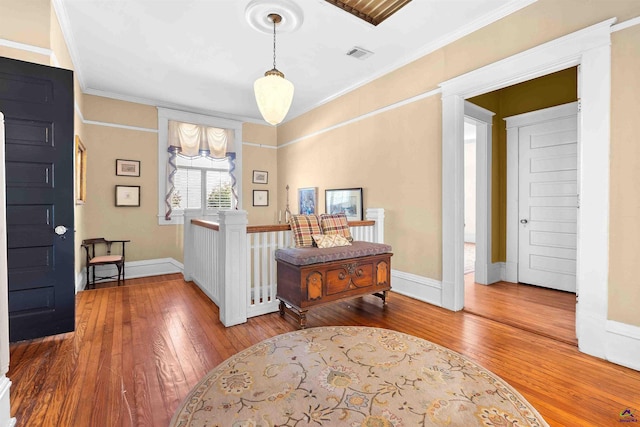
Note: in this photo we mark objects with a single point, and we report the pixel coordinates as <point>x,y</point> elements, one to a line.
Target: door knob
<point>523,221</point>
<point>60,230</point>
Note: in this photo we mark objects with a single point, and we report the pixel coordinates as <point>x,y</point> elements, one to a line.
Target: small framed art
<point>260,177</point>
<point>260,197</point>
<point>128,195</point>
<point>307,201</point>
<point>127,167</point>
<point>344,200</point>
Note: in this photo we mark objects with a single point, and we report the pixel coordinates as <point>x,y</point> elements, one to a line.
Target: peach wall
<point>407,144</point>
<point>624,244</point>
<point>395,155</point>
<point>26,21</point>
<point>261,158</point>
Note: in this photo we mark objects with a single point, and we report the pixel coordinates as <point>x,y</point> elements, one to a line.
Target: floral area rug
<point>352,376</point>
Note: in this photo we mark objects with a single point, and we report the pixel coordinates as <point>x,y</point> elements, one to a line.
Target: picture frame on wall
<point>128,195</point>
<point>307,200</point>
<point>127,167</point>
<point>260,197</point>
<point>260,177</point>
<point>81,172</point>
<point>344,200</point>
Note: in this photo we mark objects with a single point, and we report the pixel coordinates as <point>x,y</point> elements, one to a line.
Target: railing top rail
<point>206,224</point>
<point>269,228</point>
<point>285,227</point>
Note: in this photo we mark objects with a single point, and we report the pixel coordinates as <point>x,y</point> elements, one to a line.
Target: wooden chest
<point>301,287</point>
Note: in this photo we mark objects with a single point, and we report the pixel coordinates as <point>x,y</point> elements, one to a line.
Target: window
<point>201,175</point>
<point>201,182</point>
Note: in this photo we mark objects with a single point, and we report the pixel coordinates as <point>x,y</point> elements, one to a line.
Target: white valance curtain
<point>198,140</point>
<point>192,140</point>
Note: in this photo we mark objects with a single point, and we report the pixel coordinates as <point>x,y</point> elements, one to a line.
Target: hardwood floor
<point>544,311</point>
<point>139,349</point>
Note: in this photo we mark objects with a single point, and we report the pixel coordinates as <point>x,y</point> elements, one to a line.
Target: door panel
<point>37,102</point>
<point>548,200</point>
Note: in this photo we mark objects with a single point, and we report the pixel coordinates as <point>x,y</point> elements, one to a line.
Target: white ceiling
<point>203,56</point>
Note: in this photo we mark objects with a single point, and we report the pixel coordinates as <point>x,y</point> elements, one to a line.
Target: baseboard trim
<point>135,269</point>
<point>5,407</point>
<point>623,344</point>
<point>417,287</point>
<point>497,272</point>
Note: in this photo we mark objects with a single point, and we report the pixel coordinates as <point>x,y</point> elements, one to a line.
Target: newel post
<point>232,274</point>
<point>377,215</point>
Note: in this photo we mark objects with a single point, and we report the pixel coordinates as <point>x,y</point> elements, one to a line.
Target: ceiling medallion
<point>273,92</point>
<point>257,15</point>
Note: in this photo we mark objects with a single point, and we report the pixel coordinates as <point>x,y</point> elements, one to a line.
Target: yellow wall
<point>548,91</point>
<point>35,23</point>
<point>624,243</point>
<point>105,144</point>
<point>261,158</point>
<point>396,155</point>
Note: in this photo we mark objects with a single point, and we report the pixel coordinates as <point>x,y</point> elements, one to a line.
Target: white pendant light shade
<point>274,94</point>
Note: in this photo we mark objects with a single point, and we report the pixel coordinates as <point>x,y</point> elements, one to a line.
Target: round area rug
<point>352,376</point>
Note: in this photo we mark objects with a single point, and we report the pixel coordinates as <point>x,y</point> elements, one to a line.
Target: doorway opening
<point>589,48</point>
<point>509,300</point>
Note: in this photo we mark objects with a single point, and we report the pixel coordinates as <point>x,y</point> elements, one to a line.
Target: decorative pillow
<point>335,224</point>
<point>330,240</point>
<point>303,227</point>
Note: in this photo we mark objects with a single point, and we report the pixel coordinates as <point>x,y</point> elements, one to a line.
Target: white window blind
<point>201,182</point>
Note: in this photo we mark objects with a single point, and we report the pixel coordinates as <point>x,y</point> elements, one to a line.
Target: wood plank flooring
<point>139,349</point>
<point>544,311</point>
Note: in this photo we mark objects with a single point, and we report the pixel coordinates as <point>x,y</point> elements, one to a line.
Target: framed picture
<point>344,200</point>
<point>260,197</point>
<point>81,172</point>
<point>307,201</point>
<point>127,167</point>
<point>127,195</point>
<point>260,177</point>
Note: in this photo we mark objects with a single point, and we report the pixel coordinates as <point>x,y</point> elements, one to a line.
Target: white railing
<point>235,265</point>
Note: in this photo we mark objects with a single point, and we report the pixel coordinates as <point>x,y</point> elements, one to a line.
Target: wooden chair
<point>103,256</point>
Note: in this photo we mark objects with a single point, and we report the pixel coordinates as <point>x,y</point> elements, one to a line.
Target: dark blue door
<point>37,102</point>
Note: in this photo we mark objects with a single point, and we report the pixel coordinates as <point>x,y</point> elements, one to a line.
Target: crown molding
<point>65,27</point>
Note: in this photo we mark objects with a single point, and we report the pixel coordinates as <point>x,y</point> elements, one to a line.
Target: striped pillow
<point>303,228</point>
<point>335,224</point>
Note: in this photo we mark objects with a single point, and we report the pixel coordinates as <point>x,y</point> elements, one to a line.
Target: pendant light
<point>273,92</point>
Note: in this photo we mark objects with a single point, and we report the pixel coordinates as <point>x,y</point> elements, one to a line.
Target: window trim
<point>164,115</point>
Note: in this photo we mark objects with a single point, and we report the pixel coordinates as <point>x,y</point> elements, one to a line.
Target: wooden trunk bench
<point>311,277</point>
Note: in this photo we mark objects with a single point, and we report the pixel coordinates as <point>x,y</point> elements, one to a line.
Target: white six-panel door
<point>548,203</point>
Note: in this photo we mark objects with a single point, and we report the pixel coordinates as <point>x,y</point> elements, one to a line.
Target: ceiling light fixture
<point>273,92</point>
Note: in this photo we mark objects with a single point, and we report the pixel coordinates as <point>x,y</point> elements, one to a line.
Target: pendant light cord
<point>274,44</point>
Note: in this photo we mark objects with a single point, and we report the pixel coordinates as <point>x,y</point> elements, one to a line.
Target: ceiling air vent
<point>359,53</point>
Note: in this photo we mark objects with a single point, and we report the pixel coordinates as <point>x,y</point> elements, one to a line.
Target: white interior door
<point>548,202</point>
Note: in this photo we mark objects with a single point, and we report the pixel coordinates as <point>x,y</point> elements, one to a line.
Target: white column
<point>233,267</point>
<point>377,215</point>
<point>5,383</point>
<point>453,202</point>
<point>593,216</point>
